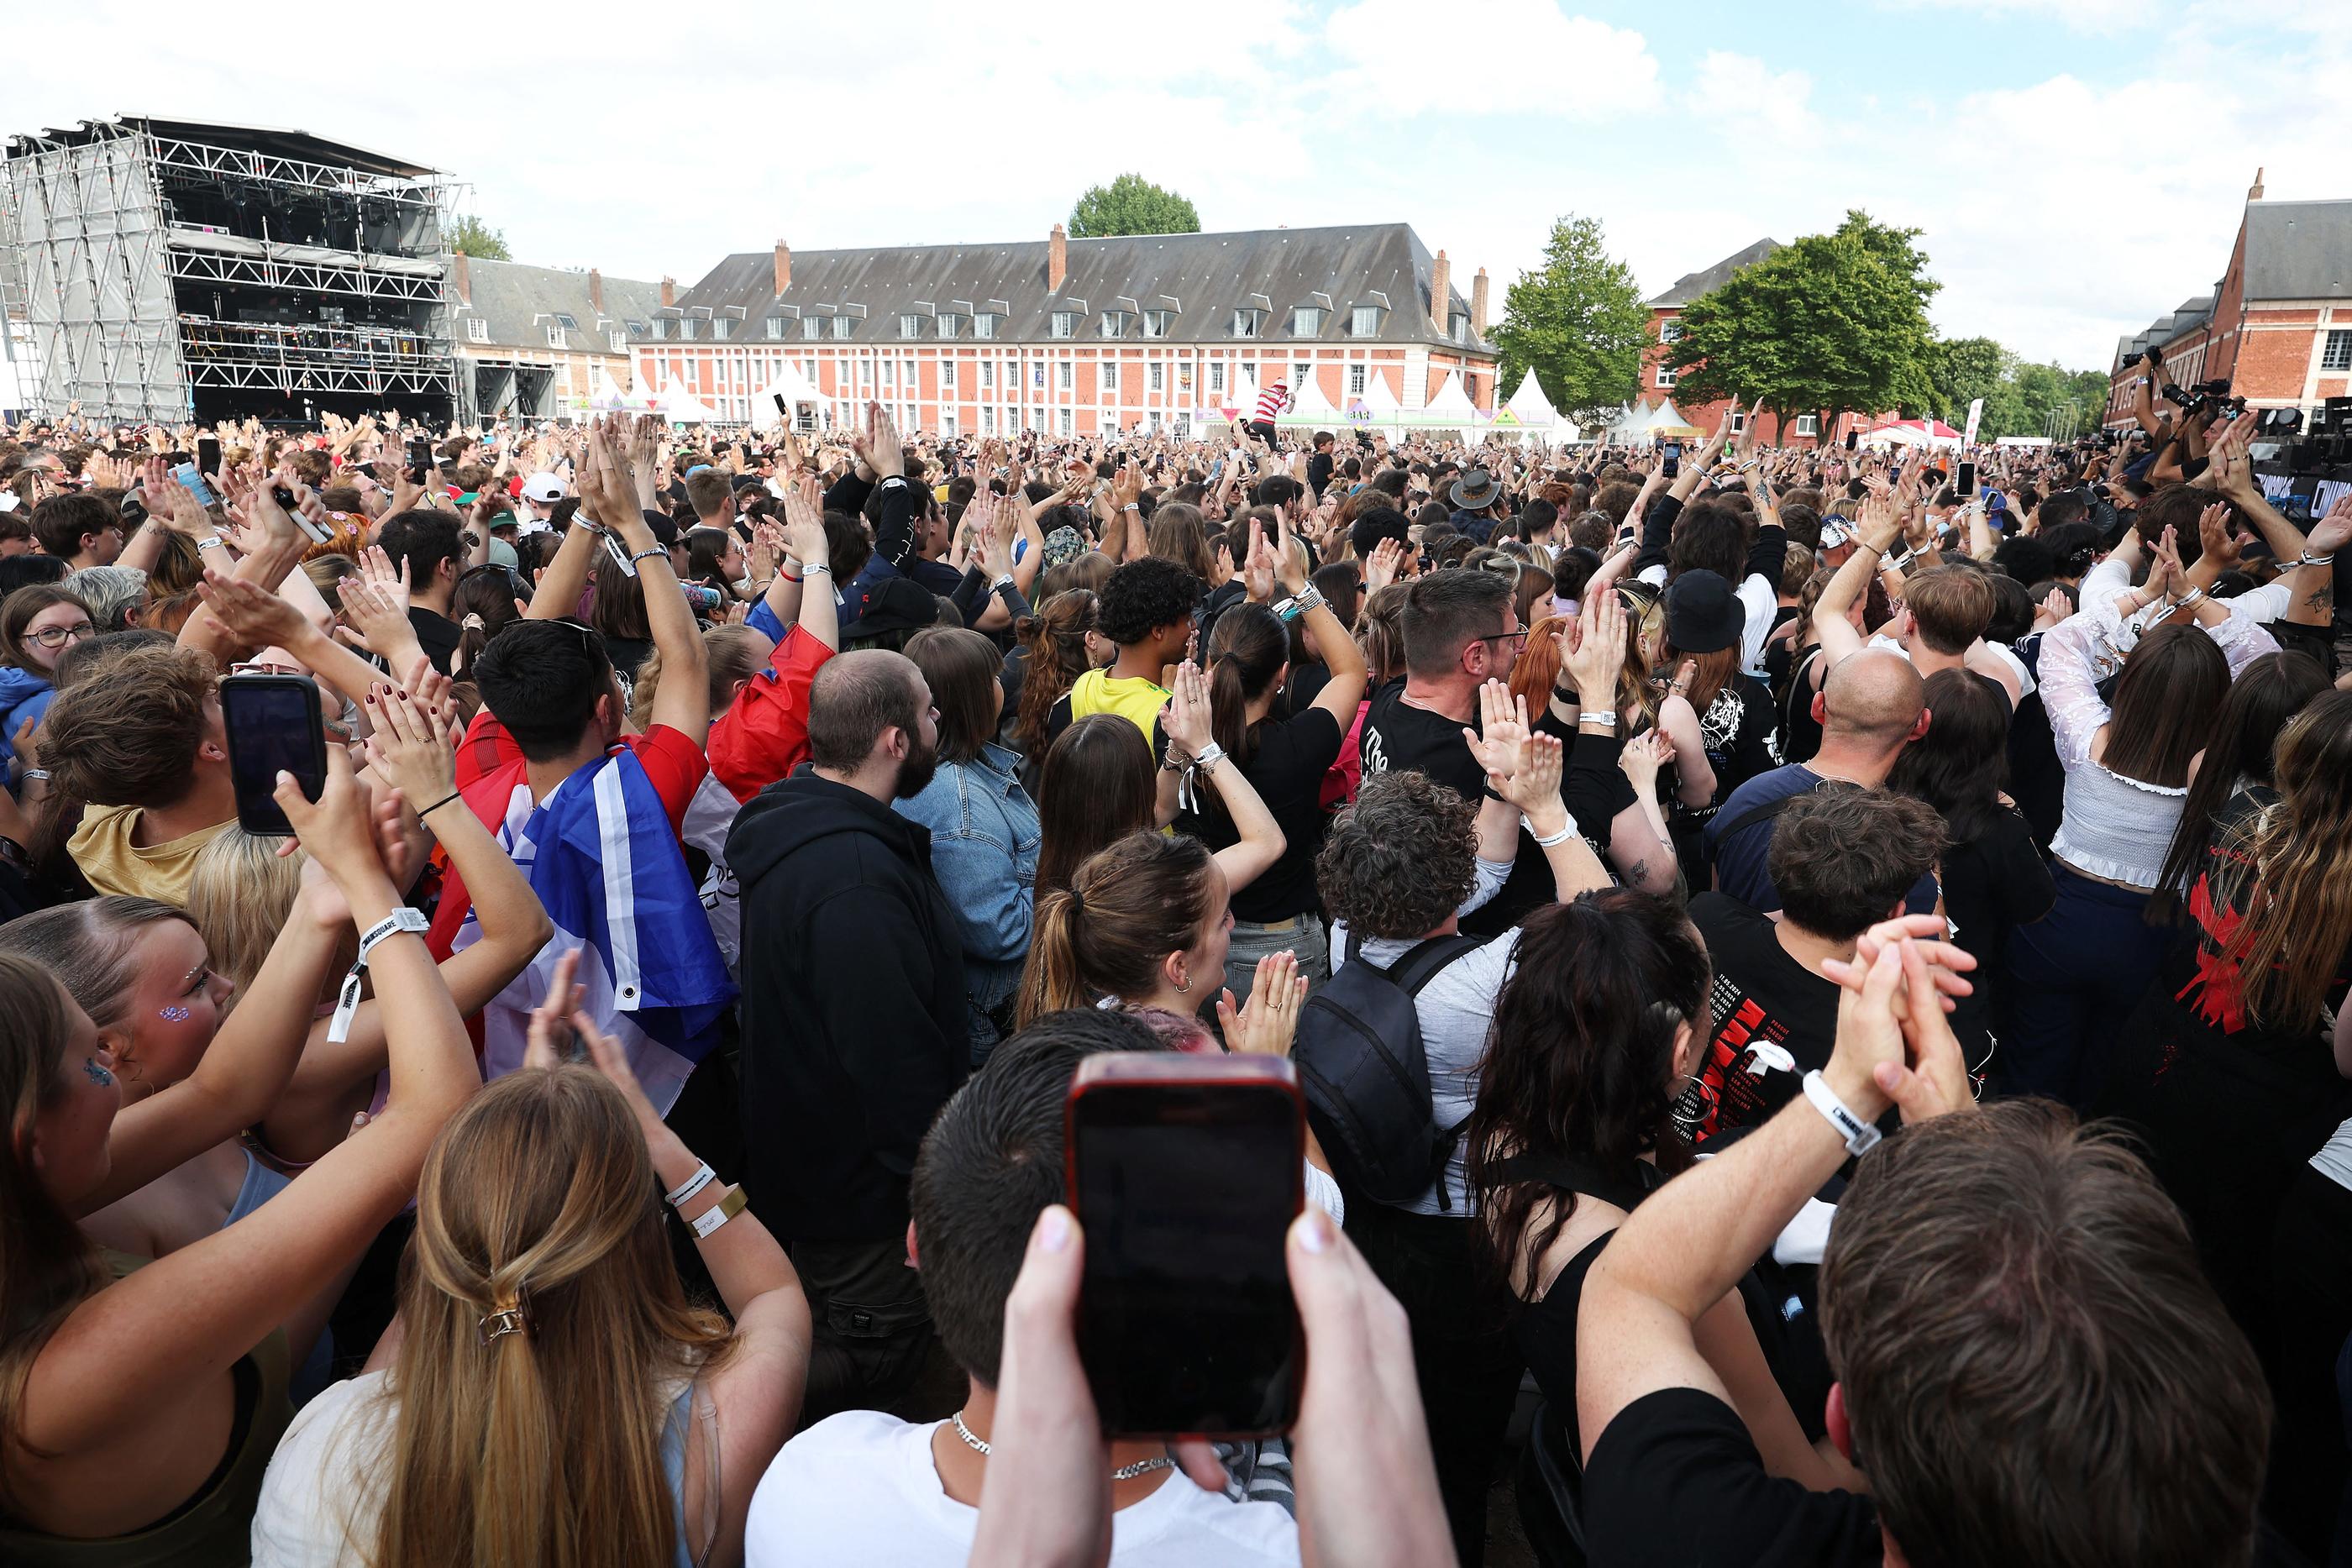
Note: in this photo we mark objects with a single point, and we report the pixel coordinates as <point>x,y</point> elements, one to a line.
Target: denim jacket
<point>985,840</point>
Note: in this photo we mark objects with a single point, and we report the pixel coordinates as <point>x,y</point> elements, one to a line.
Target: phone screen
<point>1185,1190</point>
<point>1673,467</point>
<point>1850,438</point>
<point>187,474</point>
<point>420,460</point>
<point>207,456</point>
<point>273,725</point>
<point>1966,482</point>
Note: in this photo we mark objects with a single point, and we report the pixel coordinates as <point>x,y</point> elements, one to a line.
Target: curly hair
<point>1143,594</point>
<point>1400,859</point>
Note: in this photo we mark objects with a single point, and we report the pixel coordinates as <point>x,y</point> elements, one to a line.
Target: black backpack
<point>1360,1058</point>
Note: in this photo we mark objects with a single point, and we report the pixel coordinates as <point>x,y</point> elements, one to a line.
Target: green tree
<point>1578,321</point>
<point>1833,324</point>
<point>469,235</point>
<point>1131,205</point>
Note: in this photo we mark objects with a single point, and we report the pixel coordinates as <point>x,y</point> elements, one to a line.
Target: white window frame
<point>1670,331</point>
<point>911,325</point>
<point>1064,324</point>
<point>947,373</point>
<point>946,321</point>
<point>842,327</point>
<point>1066,378</point>
<point>1666,375</point>
<point>1155,377</point>
<point>983,325</point>
<point>1364,321</point>
<point>1247,321</point>
<point>476,329</point>
<point>1357,376</point>
<point>2330,359</point>
<point>619,339</point>
<point>1067,420</point>
<point>1157,322</point>
<point>1806,424</point>
<point>812,329</point>
<point>1216,376</point>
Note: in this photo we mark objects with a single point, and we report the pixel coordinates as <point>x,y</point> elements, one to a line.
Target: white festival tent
<point>1532,412</point>
<point>608,397</point>
<point>681,406</point>
<point>795,389</point>
<point>1451,409</point>
<point>1310,407</point>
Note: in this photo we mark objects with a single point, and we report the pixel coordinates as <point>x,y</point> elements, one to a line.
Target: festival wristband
<point>703,1177</point>
<point>339,1028</point>
<point>720,1213</point>
<point>1860,1136</point>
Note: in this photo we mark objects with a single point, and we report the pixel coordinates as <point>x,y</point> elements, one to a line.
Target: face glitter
<point>97,1075</point>
<point>174,1015</point>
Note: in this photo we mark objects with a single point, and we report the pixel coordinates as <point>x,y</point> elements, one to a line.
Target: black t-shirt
<point>1675,1481</point>
<point>436,634</point>
<point>1993,882</point>
<point>1400,737</point>
<point>938,576</point>
<point>1773,1020</point>
<point>628,654</point>
<point>1286,771</point>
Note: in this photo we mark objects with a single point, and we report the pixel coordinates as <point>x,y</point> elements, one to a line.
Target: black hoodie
<point>854,1024</point>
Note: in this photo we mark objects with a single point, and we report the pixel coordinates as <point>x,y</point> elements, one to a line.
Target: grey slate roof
<point>1691,284</point>
<point>520,302</point>
<point>1205,278</point>
<point>2298,250</point>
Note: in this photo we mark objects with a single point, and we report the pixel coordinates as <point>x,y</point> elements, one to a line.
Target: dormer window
<point>1246,322</point>
<point>1460,326</point>
<point>910,326</point>
<point>1065,324</point>
<point>1307,322</point>
<point>811,326</point>
<point>776,328</point>
<point>1114,323</point>
<point>720,326</point>
<point>946,324</point>
<point>685,329</point>
<point>661,328</point>
<point>842,326</point>
<point>984,324</point>
<point>1364,321</point>
<point>1156,323</point>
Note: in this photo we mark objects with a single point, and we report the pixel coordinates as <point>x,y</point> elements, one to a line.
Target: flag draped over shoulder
<point>602,858</point>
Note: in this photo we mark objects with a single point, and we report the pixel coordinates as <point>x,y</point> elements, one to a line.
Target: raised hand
<point>413,747</point>
<point>1265,1024</point>
<point>1500,743</point>
<point>1188,719</point>
<point>2221,541</point>
<point>252,615</point>
<point>2332,532</point>
<point>1258,572</point>
<point>1381,566</point>
<point>1598,657</point>
<point>1641,759</point>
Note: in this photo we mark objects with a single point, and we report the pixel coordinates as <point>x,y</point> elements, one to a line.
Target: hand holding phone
<point>273,725</point>
<point>1185,1172</point>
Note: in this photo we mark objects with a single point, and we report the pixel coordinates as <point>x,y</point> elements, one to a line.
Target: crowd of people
<point>1875,924</point>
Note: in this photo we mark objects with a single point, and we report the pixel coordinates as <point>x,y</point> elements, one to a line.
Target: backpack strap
<point>1422,964</point>
<point>1569,1174</point>
<point>1771,809</point>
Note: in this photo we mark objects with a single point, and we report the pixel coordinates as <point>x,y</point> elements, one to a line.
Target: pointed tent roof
<point>1312,403</point>
<point>608,393</point>
<point>1668,420</point>
<point>792,386</point>
<point>1534,409</point>
<point>1452,400</point>
<point>1377,396</point>
<point>681,406</point>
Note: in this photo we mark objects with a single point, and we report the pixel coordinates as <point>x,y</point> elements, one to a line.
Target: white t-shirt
<point>329,1469</point>
<point>859,1488</point>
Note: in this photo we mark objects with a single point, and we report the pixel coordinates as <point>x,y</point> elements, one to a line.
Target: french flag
<point>602,857</point>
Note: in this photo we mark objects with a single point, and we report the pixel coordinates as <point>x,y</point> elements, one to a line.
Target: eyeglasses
<point>59,636</point>
<point>1520,638</point>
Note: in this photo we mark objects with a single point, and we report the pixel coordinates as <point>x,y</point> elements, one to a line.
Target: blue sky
<point>2078,168</point>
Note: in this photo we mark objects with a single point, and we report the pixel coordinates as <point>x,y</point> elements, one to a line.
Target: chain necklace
<point>1124,1472</point>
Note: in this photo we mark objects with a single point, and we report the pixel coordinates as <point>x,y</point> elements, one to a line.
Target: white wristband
<point>1210,753</point>
<point>347,1002</point>
<point>1556,839</point>
<point>703,1177</point>
<point>1860,1136</point>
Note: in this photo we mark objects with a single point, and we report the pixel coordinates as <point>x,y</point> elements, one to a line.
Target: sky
<point>2077,167</point>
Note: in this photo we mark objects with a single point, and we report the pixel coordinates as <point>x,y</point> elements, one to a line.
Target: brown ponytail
<point>1130,905</point>
<point>1246,650</point>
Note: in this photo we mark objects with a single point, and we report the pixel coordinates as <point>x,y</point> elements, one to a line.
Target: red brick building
<point>1076,337</point>
<point>2278,323</point>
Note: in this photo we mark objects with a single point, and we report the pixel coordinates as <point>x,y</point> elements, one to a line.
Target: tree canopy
<point>2019,398</point>
<point>1131,205</point>
<point>1578,321</point>
<point>1832,324</point>
<point>471,237</point>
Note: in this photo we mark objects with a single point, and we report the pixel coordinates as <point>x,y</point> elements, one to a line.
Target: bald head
<point>1873,699</point>
<point>855,698</point>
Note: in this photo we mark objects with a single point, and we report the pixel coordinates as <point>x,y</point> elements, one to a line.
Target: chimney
<point>2256,195</point>
<point>595,291</point>
<point>462,280</point>
<point>669,292</point>
<point>1441,294</point>
<point>783,266</point>
<point>1478,304</point>
<point>1058,258</point>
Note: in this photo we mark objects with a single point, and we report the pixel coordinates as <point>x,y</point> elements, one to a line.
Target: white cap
<point>544,488</point>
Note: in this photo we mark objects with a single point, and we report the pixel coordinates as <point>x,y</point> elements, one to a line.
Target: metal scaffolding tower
<point>171,271</point>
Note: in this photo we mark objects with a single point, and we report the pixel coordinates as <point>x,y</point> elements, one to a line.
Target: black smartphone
<point>207,456</point>
<point>1965,484</point>
<point>274,726</point>
<point>1674,467</point>
<point>1850,438</point>
<point>420,460</point>
<point>782,408</point>
<point>1185,1173</point>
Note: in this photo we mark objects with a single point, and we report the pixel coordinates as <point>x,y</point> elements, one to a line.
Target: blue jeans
<point>2075,975</point>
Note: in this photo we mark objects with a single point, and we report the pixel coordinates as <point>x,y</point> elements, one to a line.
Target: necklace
<point>1124,1472</point>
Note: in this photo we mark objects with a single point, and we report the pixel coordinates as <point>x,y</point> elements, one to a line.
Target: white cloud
<point>1742,94</point>
<point>1530,57</point>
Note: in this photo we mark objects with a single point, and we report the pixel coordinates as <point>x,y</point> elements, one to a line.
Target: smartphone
<point>782,408</point>
<point>273,725</point>
<point>1850,436</point>
<point>187,474</point>
<point>1965,484</point>
<point>1674,467</point>
<point>420,460</point>
<point>207,456</point>
<point>1186,1172</point>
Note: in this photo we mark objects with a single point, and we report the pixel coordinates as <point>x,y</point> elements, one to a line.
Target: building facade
<point>2277,325</point>
<point>1078,337</point>
<point>532,342</point>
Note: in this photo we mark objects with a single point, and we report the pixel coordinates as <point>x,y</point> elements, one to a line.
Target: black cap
<point>664,526</point>
<point>893,604</point>
<point>1703,616</point>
